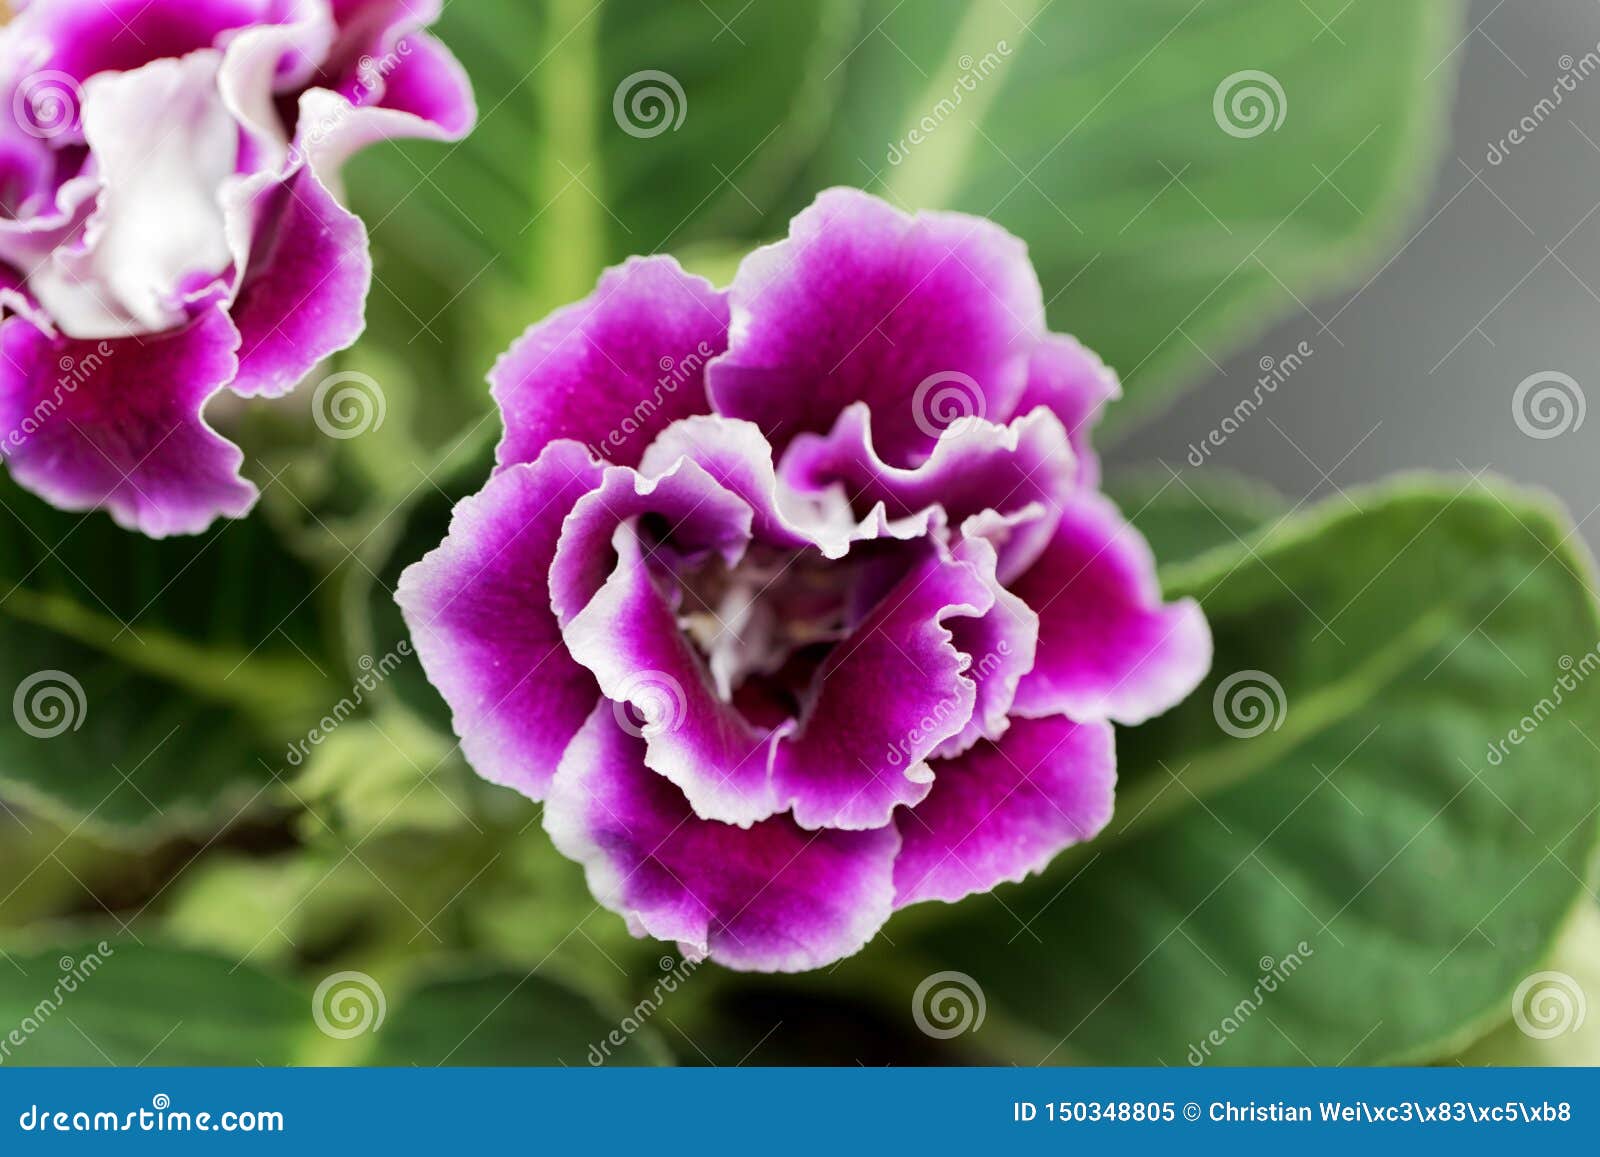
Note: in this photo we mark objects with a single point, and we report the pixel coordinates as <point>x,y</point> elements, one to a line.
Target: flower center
<point>766,624</point>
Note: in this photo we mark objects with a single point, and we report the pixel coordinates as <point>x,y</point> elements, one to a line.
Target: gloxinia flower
<point>797,603</point>
<point>170,228</point>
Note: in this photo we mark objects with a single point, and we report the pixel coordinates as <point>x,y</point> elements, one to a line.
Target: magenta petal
<point>624,628</point>
<point>862,303</point>
<point>1000,647</point>
<point>478,609</point>
<point>305,294</point>
<point>118,423</point>
<point>430,84</point>
<point>697,515</point>
<point>1024,473</point>
<point>615,369</point>
<point>1006,809</point>
<point>772,897</point>
<point>737,455</point>
<point>1075,384</point>
<point>886,697</point>
<point>1108,648</point>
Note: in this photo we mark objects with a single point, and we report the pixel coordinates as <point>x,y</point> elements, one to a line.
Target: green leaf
<point>419,525</point>
<point>507,1018</point>
<point>1555,1012</point>
<point>123,1003</point>
<point>1088,129</point>
<point>149,683</point>
<point>1376,839</point>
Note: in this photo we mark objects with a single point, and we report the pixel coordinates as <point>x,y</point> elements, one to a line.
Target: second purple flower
<point>170,227</point>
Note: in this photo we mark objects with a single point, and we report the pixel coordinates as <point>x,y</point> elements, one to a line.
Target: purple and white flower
<point>797,603</point>
<point>170,227</point>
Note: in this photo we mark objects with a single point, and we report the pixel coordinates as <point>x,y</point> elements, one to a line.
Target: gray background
<point>1499,278</point>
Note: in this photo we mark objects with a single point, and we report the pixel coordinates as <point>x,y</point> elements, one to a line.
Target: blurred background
<point>1497,278</point>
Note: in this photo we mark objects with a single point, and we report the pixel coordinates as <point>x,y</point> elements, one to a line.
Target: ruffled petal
<point>1006,809</point>
<point>999,646</point>
<point>615,369</point>
<point>862,303</point>
<point>1076,385</point>
<point>1024,472</point>
<point>77,39</point>
<point>163,144</point>
<point>1108,647</point>
<point>772,897</point>
<point>624,628</point>
<point>305,294</point>
<point>118,423</point>
<point>737,455</point>
<point>886,697</point>
<point>478,609</point>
